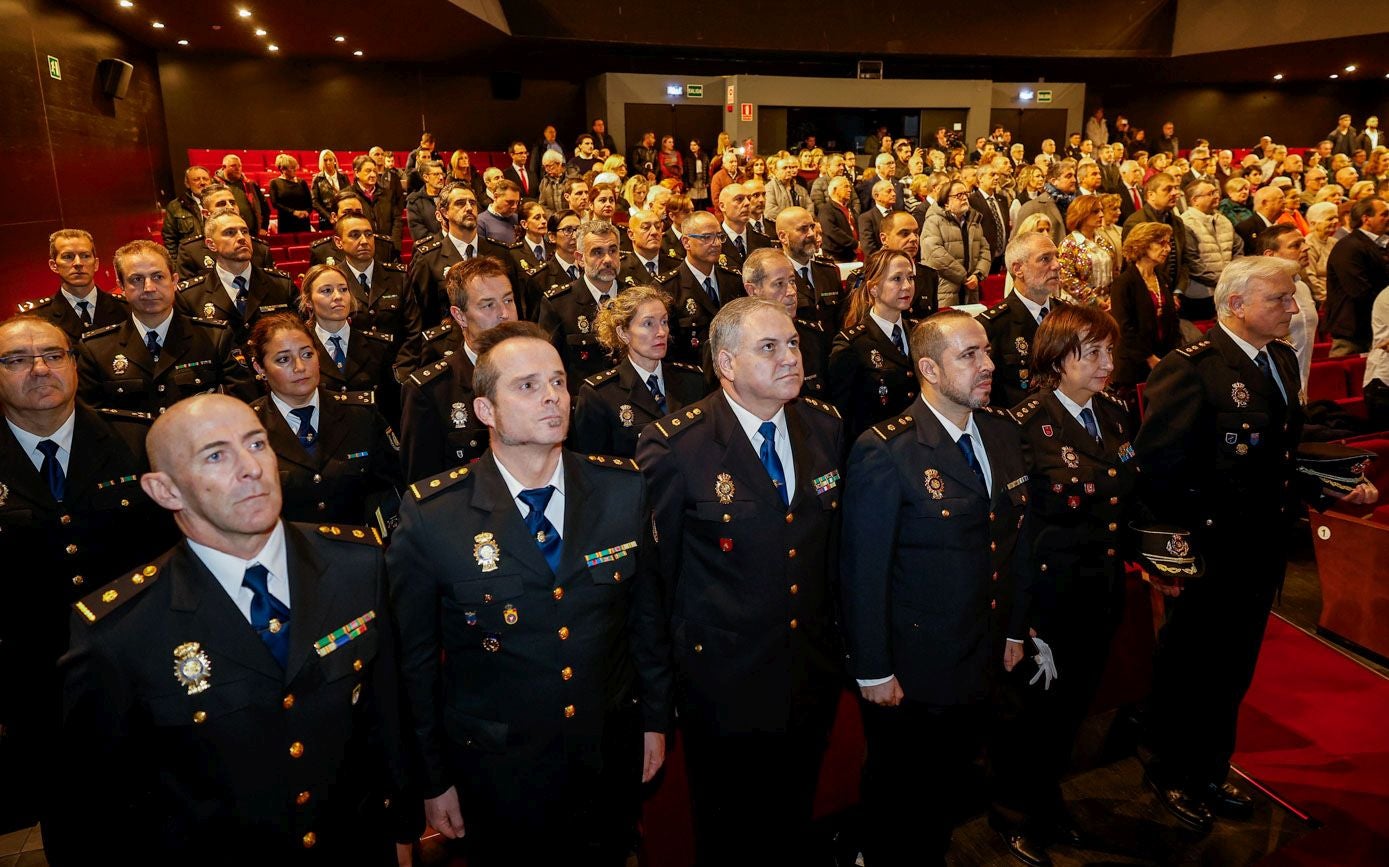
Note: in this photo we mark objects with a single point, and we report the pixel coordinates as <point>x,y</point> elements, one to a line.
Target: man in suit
<point>771,275</point>
<point>747,482</point>
<point>273,734</point>
<point>839,229</point>
<point>78,306</point>
<point>517,172</point>
<point>568,313</point>
<point>644,265</point>
<point>250,200</point>
<point>870,221</point>
<point>349,204</point>
<point>1110,180</point>
<point>944,484</point>
<point>1012,324</point>
<point>738,241</point>
<point>1131,192</point>
<point>1168,142</point>
<point>234,290</point>
<point>757,208</point>
<point>193,257</point>
<point>458,209</point>
<point>1356,272</point>
<point>1222,423</point>
<point>183,216</point>
<point>603,143</point>
<point>992,205</point>
<point>381,202</point>
<point>698,287</point>
<point>535,659</point>
<point>1343,137</point>
<point>1267,206</point>
<point>818,284</point>
<point>422,206</point>
<point>157,356</point>
<point>74,514</point>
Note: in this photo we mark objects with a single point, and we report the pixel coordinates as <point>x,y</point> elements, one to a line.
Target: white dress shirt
<point>162,329</point>
<point>886,327</point>
<point>782,445</point>
<point>228,276</point>
<point>230,570</point>
<point>345,332</point>
<point>1074,408</point>
<point>643,374</point>
<point>554,510</point>
<point>62,436</point>
<point>293,420</point>
<point>598,293</point>
<point>1253,353</point>
<point>463,246</point>
<point>74,300</point>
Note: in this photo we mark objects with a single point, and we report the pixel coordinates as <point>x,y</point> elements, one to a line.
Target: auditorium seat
<point>1355,374</point>
<point>1321,351</point>
<point>1327,381</point>
<point>1204,324</point>
<point>991,290</point>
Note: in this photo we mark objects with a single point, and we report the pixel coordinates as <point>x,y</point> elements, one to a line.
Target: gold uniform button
<point>795,588</point>
<point>65,520</point>
<point>77,580</point>
<point>1044,567</point>
<point>993,546</point>
<point>200,717</point>
<point>790,517</point>
<point>992,517</point>
<point>1109,552</point>
<point>1113,501</point>
<point>566,672</point>
<point>993,603</point>
<point>288,701</point>
<point>727,518</point>
<point>71,549</point>
<point>791,554</point>
<point>317,478</point>
<point>310,839</point>
<point>617,577</point>
<point>558,593</point>
<point>995,576</point>
<point>302,798</point>
<point>699,648</point>
<point>1113,472</point>
<point>564,633</point>
<point>569,711</point>
<point>323,507</point>
<point>356,665</point>
<point>794,623</point>
<point>1113,527</point>
<point>296,750</point>
<point>945,513</point>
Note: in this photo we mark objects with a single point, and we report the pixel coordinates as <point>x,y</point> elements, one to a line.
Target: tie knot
<point>336,340</point>
<point>48,447</point>
<point>257,578</point>
<point>768,431</point>
<point>304,414</point>
<point>239,282</point>
<point>537,498</point>
<point>1042,314</point>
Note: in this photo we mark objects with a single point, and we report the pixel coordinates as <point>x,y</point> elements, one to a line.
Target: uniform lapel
<point>175,345</point>
<point>800,447</point>
<point>581,519</point>
<point>306,616</point>
<point>19,474</point>
<point>90,453</point>
<point>698,292</point>
<point>505,521</point>
<point>1076,432</point>
<point>637,392</point>
<point>132,340</point>
<point>333,427</point>
<point>1247,371</point>
<point>213,618</point>
<point>284,442</point>
<point>328,371</point>
<point>946,452</point>
<point>740,459</point>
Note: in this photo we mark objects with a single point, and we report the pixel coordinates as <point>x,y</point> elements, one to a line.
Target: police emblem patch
<point>625,415</point>
<point>691,307</point>
<point>207,261</point>
<point>1068,457</point>
<point>583,324</point>
<point>120,364</point>
<point>459,415</point>
<point>876,357</point>
<point>1021,345</point>
<point>487,551</point>
<point>723,488</point>
<point>1239,394</point>
<point>192,668</point>
<point>331,261</point>
<point>935,485</point>
<point>209,311</point>
<point>4,493</point>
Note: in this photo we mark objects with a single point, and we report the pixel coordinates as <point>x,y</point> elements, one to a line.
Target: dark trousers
<point>1204,663</point>
<point>1377,404</point>
<point>1035,728</point>
<point>753,792</point>
<point>554,800</point>
<point>918,759</point>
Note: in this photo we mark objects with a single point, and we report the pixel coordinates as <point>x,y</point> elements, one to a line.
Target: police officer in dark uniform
<point>818,284</point>
<point>461,241</point>
<point>78,306</point>
<point>614,406</point>
<point>699,287</point>
<point>439,428</point>
<point>935,554</point>
<point>72,512</point>
<point>325,251</point>
<point>158,356</point>
<point>899,231</point>
<point>1220,432</point>
<point>339,458</point>
<point>1078,445</point>
<point>1012,323</point>
<point>747,483</point>
<point>737,239</point>
<point>234,290</point>
<point>561,267</point>
<point>384,302</point>
<point>349,359</point>
<point>567,313</point>
<point>537,672</point>
<point>183,216</point>
<point>193,256</point>
<point>241,688</point>
<point>643,265</point>
<point>871,376</point>
<point>770,274</point>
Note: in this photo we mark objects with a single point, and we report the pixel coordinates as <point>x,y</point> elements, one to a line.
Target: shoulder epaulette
<point>998,411</point>
<point>673,424</point>
<point>117,293</point>
<point>321,241</point>
<point>437,331</point>
<point>426,488</point>
<point>420,377</point>
<point>685,366</point>
<point>381,237</point>
<point>31,306</point>
<point>355,398</point>
<point>667,276</point>
<point>824,260</point>
<point>514,245</point>
<point>598,379</point>
<point>1192,350</point>
<point>125,414</point>
<point>849,333</point>
<point>892,427</point>
<point>102,602</point>
<point>556,291</point>
<point>383,336</point>
<point>730,269</point>
<point>614,463</point>
<point>535,269</point>
<point>826,408</point>
<point>394,266</point>
<point>428,248</point>
<point>97,332</point>
<point>195,238</point>
<point>812,324</point>
<point>192,281</point>
<point>276,272</point>
<point>211,323</point>
<point>1026,408</point>
<point>349,533</point>
<point>995,311</point>
<point>1116,400</point>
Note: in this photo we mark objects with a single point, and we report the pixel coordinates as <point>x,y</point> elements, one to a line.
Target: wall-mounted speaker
<point>115,77</point>
<point>506,85</point>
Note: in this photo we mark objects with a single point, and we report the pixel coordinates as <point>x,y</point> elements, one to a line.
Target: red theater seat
<point>1355,374</point>
<point>1321,351</point>
<point>991,291</point>
<point>1327,381</point>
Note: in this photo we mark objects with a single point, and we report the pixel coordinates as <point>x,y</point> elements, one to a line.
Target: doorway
<point>685,122</point>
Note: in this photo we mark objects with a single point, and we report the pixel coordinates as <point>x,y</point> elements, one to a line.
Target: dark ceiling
<point>1120,43</point>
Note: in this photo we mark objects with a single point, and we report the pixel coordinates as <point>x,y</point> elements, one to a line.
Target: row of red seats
<point>1340,380</point>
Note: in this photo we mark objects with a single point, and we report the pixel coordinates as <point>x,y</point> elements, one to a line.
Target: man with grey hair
<point>838,224</point>
<point>183,216</point>
<point>1212,243</point>
<point>1222,425</point>
<point>1267,206</point>
<point>552,183</point>
<point>422,206</point>
<point>698,286</point>
<point>567,313</point>
<point>1012,324</point>
<point>770,274</point>
<point>760,667</point>
<point>1131,196</point>
<point>870,221</point>
<point>736,206</point>
<point>1314,179</point>
<point>783,191</point>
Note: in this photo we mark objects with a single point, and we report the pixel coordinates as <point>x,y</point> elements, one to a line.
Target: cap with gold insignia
<point>1166,553</point>
<point>1332,470</point>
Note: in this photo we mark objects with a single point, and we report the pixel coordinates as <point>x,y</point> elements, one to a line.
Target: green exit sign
<point>694,91</point>
<point>1044,96</point>
<point>54,70</point>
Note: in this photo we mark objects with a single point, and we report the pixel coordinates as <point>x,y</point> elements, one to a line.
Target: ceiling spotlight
<point>1334,75</point>
<point>260,31</point>
<point>1350,68</point>
<point>273,47</point>
<point>1278,77</point>
<point>358,53</point>
<point>244,13</point>
<point>183,42</point>
<point>339,38</point>
<point>126,4</point>
<point>157,25</point>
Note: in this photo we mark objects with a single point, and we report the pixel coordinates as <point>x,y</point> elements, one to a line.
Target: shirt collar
<point>291,420</point>
<point>700,276</point>
<point>230,570</point>
<point>227,276</point>
<point>162,329</point>
<point>728,230</point>
<point>599,293</point>
<point>515,488</point>
<point>62,436</point>
<point>643,374</point>
<point>887,326</point>
<point>1248,347</point>
<point>955,433</point>
<point>1071,406</point>
<point>462,246</point>
<point>345,333</point>
<point>1032,307</point>
<point>369,272</point>
<point>750,423</point>
<point>74,300</point>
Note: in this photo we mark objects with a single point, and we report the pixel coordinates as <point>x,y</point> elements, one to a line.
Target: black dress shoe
<point>1186,806</point>
<point>1227,801</point>
<point>1065,832</point>
<point>1026,848</point>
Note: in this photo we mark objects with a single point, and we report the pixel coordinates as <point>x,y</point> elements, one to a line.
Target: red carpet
<point>1314,729</point>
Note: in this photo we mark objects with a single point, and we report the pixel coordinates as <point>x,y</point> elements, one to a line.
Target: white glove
<point>1046,664</point>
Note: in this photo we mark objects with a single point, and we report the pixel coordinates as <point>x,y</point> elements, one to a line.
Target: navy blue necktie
<point>539,253</point>
<point>966,444</point>
<point>52,469</point>
<point>712,290</point>
<point>339,357</point>
<point>308,437</point>
<point>1087,418</point>
<point>546,537</point>
<point>152,343</point>
<point>655,386</point>
<point>651,268</point>
<point>269,616</point>
<point>772,461</point>
<point>366,283</point>
<point>1261,359</point>
<point>1041,314</point>
<point>742,248</point>
<point>240,284</point>
<point>573,272</point>
<point>897,339</point>
<point>83,313</point>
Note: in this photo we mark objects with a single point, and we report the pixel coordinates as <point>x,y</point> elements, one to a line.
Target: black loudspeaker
<point>506,85</point>
<point>115,77</point>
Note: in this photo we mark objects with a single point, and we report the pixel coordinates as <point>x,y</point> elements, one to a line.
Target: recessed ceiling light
<point>1334,75</point>
<point>157,25</point>
<point>358,53</point>
<point>273,47</point>
<point>1350,68</point>
<point>339,38</point>
<point>1278,77</point>
<point>183,42</point>
<point>244,13</point>
<point>260,31</point>
<point>126,4</point>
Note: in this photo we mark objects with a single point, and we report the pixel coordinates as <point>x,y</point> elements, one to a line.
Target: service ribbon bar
<point>826,482</point>
<point>608,554</point>
<point>101,486</point>
<point>354,455</point>
<point>343,634</point>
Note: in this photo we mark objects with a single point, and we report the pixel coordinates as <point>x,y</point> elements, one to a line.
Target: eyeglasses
<point>961,196</point>
<point>703,236</point>
<point>57,359</point>
<point>566,230</point>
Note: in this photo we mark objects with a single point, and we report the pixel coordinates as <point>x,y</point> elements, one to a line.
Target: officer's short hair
<point>211,190</point>
<point>928,338</point>
<point>338,226</point>
<point>135,248</point>
<point>591,229</point>
<point>214,222</point>
<point>1238,276</point>
<point>486,374</point>
<point>346,195</point>
<point>427,166</point>
<point>691,223</point>
<point>504,187</point>
<point>726,331</point>
<point>467,273</point>
<point>1021,247</point>
<point>1271,238</point>
<point>69,235</point>
<point>1362,209</point>
<point>361,160</point>
<point>755,265</point>
<point>306,288</point>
